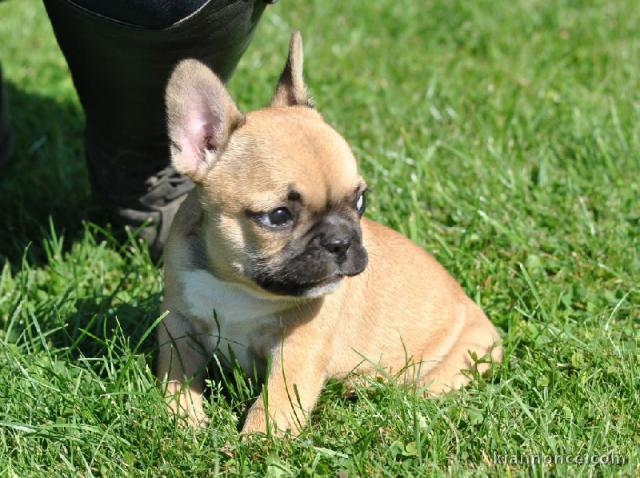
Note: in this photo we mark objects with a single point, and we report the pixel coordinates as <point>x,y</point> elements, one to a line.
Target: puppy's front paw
<point>189,408</point>
<point>256,421</point>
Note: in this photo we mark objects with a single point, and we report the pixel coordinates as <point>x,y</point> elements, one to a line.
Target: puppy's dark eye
<point>361,203</point>
<point>279,217</point>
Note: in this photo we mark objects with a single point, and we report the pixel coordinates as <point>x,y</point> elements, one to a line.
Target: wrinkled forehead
<point>294,150</point>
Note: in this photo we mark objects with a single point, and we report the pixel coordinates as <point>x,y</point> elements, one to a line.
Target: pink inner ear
<point>199,129</point>
<point>204,123</point>
<point>188,158</point>
<point>199,135</point>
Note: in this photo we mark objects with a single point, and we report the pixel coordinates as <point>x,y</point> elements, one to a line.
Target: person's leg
<point>143,13</point>
<point>120,67</point>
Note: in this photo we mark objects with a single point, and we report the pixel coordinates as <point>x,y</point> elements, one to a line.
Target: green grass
<point>503,136</point>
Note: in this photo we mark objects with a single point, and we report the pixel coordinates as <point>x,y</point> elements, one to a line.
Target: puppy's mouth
<point>314,288</point>
<point>332,279</point>
<point>323,287</point>
<point>310,274</point>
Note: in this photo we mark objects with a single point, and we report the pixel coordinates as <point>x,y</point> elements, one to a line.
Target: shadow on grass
<point>45,177</point>
<point>100,329</point>
<point>110,336</point>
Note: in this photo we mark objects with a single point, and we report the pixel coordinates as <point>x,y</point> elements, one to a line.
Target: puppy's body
<point>299,294</point>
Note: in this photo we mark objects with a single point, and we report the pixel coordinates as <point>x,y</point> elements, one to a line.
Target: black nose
<point>337,246</point>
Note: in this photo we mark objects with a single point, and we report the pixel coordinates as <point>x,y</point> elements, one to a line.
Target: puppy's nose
<point>337,246</point>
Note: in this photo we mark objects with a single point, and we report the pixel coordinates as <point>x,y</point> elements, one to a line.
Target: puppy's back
<point>417,305</point>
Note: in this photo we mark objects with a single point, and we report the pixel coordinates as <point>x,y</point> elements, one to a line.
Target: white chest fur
<point>242,317</point>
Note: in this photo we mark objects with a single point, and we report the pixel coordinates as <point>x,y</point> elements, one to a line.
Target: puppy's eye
<point>279,217</point>
<point>361,203</point>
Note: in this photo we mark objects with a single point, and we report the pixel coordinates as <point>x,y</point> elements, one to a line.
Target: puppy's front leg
<point>296,378</point>
<point>181,367</point>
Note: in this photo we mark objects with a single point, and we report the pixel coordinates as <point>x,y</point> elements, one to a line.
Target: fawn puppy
<point>270,260</point>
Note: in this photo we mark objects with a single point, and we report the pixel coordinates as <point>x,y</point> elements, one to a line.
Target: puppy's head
<point>279,188</point>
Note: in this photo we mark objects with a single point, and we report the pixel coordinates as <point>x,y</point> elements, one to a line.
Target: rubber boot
<point>5,129</point>
<point>120,72</point>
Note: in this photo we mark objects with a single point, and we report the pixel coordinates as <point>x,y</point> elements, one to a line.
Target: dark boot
<point>120,72</point>
<point>5,130</point>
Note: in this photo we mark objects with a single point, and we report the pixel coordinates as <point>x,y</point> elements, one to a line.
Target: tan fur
<point>403,309</point>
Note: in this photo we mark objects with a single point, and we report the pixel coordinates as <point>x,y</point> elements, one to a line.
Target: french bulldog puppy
<point>270,261</point>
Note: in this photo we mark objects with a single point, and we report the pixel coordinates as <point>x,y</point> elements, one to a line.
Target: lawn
<point>502,136</point>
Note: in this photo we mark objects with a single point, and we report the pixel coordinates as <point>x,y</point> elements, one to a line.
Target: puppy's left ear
<point>291,90</point>
<point>201,117</point>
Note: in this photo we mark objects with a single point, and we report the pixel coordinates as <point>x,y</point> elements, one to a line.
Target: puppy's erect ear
<point>201,116</point>
<point>291,90</point>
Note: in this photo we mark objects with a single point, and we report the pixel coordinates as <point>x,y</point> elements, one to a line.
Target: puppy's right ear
<point>201,116</point>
